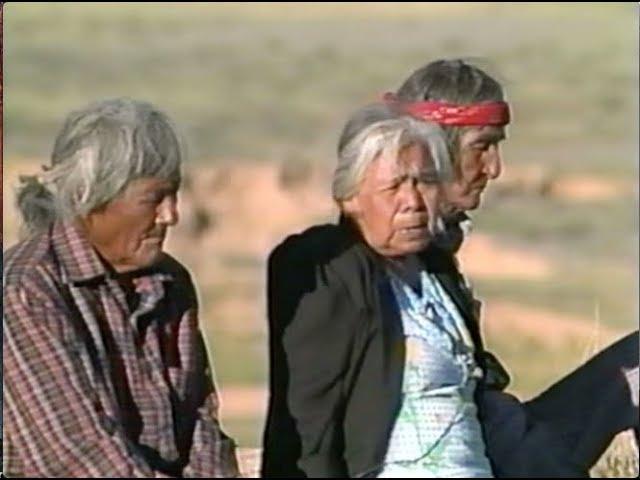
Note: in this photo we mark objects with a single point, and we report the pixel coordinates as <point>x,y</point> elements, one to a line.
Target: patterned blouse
<point>437,432</point>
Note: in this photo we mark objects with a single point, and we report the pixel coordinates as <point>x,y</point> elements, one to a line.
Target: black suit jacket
<point>337,353</point>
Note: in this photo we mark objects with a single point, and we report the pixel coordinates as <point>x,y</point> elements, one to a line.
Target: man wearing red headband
<point>564,430</point>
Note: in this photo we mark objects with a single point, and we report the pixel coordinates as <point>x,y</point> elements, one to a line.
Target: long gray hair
<point>380,129</point>
<point>99,150</point>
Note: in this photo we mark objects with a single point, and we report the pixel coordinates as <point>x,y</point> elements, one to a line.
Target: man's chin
<point>470,202</point>
<point>155,257</point>
<point>149,258</point>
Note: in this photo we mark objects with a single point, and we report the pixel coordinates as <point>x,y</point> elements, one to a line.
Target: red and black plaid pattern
<point>96,384</point>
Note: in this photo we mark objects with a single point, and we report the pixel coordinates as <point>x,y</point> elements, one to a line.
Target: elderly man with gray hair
<point>105,368</point>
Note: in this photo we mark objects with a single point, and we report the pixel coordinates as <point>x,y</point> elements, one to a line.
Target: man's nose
<point>168,211</point>
<point>493,162</point>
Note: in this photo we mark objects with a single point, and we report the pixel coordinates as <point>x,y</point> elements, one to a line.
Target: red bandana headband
<point>444,113</point>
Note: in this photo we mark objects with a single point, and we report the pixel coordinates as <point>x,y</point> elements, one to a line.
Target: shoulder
<point>184,288</point>
<point>328,248</point>
<point>29,263</point>
<point>32,282</point>
<point>318,244</point>
<point>322,258</point>
<point>170,265</point>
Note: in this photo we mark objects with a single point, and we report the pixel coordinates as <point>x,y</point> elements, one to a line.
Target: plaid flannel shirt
<point>95,387</point>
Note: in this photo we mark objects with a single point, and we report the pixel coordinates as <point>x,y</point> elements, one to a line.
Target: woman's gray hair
<point>98,152</point>
<point>379,129</point>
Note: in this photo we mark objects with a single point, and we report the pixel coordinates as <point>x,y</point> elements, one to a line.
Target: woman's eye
<point>429,178</point>
<point>152,198</point>
<point>429,181</point>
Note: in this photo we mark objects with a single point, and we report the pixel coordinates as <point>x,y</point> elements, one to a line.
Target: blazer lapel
<point>463,302</point>
<point>450,284</point>
<point>442,264</point>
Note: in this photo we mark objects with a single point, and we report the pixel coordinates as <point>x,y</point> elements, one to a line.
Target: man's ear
<point>351,206</point>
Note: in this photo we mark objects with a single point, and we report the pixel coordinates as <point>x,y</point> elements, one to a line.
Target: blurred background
<point>260,93</point>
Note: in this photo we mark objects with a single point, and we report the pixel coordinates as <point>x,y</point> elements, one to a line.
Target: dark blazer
<point>337,353</point>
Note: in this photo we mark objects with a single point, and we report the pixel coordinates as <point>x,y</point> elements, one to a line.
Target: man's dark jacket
<point>337,353</point>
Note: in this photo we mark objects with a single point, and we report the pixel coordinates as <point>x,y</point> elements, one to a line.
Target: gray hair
<point>380,129</point>
<point>452,81</point>
<point>98,152</point>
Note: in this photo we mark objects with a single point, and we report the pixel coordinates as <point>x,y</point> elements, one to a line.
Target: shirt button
<point>107,423</point>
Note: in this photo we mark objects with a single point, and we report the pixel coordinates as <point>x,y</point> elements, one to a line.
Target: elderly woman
<point>105,369</point>
<point>375,354</point>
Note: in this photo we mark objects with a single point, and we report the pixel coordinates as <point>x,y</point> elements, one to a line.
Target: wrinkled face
<point>130,230</point>
<point>395,201</point>
<point>478,161</point>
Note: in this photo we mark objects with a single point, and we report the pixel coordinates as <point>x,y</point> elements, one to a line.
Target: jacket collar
<point>438,261</point>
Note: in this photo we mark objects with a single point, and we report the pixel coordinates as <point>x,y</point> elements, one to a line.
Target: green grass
<point>237,359</point>
<point>529,378</point>
<point>260,81</point>
<point>605,229</point>
<point>582,297</point>
<point>246,431</point>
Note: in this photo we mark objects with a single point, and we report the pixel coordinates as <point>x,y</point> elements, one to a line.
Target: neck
<point>109,260</point>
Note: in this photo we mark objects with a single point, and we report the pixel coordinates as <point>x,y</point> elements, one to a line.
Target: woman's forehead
<point>410,159</point>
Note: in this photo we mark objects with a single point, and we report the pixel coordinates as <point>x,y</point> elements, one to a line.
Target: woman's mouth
<point>414,230</point>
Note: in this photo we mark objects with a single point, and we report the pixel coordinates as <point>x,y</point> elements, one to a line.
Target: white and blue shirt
<point>437,432</point>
